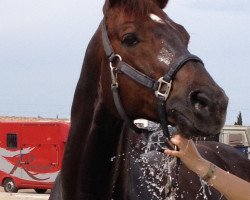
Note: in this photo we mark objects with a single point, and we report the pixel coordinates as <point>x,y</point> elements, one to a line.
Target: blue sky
<point>42,45</point>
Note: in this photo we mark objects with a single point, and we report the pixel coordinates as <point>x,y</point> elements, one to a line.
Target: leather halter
<point>161,87</point>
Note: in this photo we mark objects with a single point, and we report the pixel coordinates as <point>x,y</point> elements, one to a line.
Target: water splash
<point>157,174</point>
<point>157,168</point>
<point>202,190</point>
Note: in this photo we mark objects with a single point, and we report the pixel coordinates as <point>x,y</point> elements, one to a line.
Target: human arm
<point>231,186</point>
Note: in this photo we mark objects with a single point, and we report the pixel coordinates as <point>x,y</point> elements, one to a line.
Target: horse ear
<point>113,2</point>
<point>108,4</point>
<point>162,3</point>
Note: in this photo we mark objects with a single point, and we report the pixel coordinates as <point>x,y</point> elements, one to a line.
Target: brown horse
<point>140,49</point>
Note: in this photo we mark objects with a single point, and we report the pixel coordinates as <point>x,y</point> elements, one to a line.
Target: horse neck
<point>94,138</point>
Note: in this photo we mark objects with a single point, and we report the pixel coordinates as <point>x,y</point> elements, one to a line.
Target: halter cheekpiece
<point>161,87</point>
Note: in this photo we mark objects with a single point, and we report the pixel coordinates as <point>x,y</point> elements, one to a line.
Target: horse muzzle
<point>202,114</point>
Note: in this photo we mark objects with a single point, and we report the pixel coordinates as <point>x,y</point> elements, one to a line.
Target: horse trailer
<point>238,137</point>
<point>31,154</point>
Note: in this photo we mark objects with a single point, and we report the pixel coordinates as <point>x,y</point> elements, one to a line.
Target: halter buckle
<point>164,88</point>
<point>113,73</point>
<point>113,70</point>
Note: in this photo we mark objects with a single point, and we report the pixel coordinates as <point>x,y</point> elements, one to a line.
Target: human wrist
<point>210,173</point>
<point>202,167</point>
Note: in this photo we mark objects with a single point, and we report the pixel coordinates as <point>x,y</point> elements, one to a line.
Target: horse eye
<point>130,40</point>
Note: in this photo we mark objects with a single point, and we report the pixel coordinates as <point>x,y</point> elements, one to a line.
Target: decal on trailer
<point>21,172</point>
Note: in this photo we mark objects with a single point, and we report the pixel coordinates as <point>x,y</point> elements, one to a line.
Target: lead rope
<point>163,119</point>
<point>172,183</point>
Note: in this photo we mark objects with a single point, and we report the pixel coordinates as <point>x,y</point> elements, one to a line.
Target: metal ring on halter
<point>113,71</point>
<point>114,58</point>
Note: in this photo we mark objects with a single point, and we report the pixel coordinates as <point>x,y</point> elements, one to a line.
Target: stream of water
<point>158,174</point>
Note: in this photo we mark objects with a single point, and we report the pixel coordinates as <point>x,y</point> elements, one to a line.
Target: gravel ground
<point>23,195</point>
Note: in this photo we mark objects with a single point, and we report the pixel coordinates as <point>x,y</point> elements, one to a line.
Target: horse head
<point>142,35</point>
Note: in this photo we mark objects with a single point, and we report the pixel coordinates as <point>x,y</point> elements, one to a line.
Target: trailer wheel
<point>9,185</point>
<point>40,191</point>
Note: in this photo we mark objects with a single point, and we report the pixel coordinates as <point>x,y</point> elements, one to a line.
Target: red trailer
<point>31,154</point>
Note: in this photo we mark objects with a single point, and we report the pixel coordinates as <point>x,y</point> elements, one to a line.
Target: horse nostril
<point>200,101</point>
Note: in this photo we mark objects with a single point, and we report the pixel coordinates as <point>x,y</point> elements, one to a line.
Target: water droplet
<point>112,158</point>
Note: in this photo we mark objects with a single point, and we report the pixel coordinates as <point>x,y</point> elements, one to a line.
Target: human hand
<point>189,155</point>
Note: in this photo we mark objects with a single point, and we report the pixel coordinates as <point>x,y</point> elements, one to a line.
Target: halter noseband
<point>161,87</point>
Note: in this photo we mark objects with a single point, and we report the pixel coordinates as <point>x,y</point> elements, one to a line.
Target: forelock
<point>136,7</point>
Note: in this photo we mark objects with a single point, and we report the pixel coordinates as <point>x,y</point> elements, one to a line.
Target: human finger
<point>169,152</point>
<point>179,141</point>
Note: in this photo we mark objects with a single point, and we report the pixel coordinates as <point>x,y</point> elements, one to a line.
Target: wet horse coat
<point>147,39</point>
